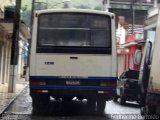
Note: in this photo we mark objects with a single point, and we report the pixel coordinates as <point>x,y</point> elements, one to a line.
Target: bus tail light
<point>41,91</point>
<point>38,82</point>
<point>108,83</point>
<point>105,92</point>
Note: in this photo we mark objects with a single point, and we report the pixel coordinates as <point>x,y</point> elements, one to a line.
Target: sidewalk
<point>7,98</point>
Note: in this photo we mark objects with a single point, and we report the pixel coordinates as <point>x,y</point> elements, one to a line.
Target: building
<point>130,22</point>
<point>6,31</point>
<point>139,30</point>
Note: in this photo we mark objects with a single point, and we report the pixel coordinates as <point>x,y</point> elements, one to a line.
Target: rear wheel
<point>122,100</point>
<point>91,105</point>
<point>101,105</point>
<point>150,109</point>
<point>143,110</point>
<point>40,104</point>
<point>115,98</point>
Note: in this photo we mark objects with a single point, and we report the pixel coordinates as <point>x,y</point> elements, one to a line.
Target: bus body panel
<point>114,49</point>
<point>84,74</point>
<point>73,65</point>
<point>110,61</point>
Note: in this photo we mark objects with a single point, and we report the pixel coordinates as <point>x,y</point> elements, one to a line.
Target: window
<point>78,30</point>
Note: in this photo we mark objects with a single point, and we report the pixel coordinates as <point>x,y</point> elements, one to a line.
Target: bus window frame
<point>75,49</point>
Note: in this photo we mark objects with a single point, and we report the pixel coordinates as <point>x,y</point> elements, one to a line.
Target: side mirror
<point>137,57</point>
<point>149,62</point>
<point>124,77</point>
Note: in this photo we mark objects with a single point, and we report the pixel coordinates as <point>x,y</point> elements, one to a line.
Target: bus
<point>73,54</point>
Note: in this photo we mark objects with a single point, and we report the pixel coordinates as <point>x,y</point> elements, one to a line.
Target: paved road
<point>21,109</point>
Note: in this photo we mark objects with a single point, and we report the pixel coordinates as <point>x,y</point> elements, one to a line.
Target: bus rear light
<point>39,91</point>
<point>105,92</point>
<point>108,83</point>
<point>38,82</point>
<point>108,92</point>
<point>42,91</point>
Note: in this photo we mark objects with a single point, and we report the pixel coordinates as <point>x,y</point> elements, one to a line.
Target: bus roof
<point>74,10</point>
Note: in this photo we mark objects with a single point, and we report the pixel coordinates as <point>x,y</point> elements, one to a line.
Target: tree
<point>98,8</point>
<point>66,5</point>
<point>83,7</point>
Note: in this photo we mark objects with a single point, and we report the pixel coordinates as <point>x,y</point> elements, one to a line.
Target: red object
<point>39,91</point>
<point>131,46</point>
<point>129,59</point>
<point>38,82</point>
<point>131,38</point>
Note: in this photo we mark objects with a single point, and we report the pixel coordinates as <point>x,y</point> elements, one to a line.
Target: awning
<point>9,8</point>
<point>129,44</point>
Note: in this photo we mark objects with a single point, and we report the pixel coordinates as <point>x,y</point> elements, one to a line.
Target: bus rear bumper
<point>76,91</point>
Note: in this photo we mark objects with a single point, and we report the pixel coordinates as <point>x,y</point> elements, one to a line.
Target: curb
<point>12,100</point>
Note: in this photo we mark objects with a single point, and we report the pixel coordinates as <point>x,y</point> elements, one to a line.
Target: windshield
<point>74,29</point>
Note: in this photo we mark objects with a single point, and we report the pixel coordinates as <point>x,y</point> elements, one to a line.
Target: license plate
<point>72,82</point>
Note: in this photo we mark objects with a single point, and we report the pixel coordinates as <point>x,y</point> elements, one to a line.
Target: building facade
<point>6,31</point>
<point>5,51</point>
<point>130,22</point>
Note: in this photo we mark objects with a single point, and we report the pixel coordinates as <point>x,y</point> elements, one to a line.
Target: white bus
<point>73,54</point>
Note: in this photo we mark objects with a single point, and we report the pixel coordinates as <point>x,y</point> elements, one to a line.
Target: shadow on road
<point>72,108</point>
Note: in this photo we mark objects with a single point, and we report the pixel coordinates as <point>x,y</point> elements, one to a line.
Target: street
<point>21,109</point>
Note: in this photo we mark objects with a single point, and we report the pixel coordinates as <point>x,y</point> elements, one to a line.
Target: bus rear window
<point>74,30</point>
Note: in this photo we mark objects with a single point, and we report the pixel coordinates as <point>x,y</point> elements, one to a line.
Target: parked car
<point>127,87</point>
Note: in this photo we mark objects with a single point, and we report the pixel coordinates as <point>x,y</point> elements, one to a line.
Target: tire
<point>142,110</point>
<point>40,104</point>
<point>147,110</point>
<point>91,105</point>
<point>151,109</point>
<point>115,98</point>
<point>122,100</point>
<point>101,105</point>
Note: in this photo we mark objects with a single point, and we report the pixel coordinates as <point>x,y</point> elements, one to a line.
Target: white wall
<point>121,33</point>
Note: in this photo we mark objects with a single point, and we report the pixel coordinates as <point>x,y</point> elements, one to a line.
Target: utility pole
<point>14,49</point>
<point>106,5</point>
<point>133,14</point>
<point>32,15</point>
